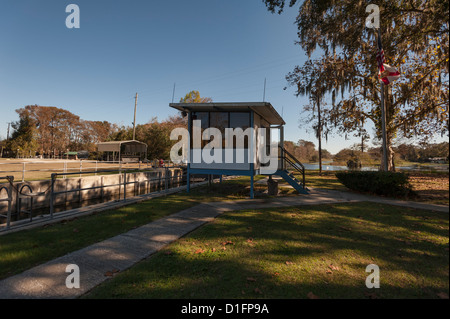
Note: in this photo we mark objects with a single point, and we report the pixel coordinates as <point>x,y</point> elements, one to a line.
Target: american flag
<point>381,60</point>
<point>380,56</point>
<point>387,73</point>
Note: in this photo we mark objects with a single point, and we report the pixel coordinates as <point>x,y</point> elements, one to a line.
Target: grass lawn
<point>326,180</point>
<point>273,253</point>
<point>28,248</point>
<point>298,252</point>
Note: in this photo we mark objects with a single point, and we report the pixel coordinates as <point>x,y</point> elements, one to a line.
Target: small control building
<point>239,115</point>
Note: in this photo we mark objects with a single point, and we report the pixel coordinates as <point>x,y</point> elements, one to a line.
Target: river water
<point>328,167</point>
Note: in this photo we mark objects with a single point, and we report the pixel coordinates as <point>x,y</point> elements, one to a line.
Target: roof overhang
<point>115,146</point>
<point>263,109</point>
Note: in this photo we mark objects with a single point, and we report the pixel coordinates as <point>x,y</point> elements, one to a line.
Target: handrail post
<point>52,195</point>
<point>167,179</point>
<point>304,181</point>
<point>10,197</point>
<point>125,186</point>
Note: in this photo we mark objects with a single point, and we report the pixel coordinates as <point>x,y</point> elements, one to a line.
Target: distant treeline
<point>52,131</point>
<point>306,152</point>
<point>423,153</point>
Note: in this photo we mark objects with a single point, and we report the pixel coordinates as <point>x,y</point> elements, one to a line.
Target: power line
<point>245,70</point>
<point>264,95</point>
<point>173,94</point>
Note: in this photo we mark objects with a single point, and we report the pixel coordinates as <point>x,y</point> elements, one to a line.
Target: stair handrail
<point>292,160</point>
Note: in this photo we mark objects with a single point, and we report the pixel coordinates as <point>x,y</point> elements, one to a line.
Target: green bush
<point>380,183</point>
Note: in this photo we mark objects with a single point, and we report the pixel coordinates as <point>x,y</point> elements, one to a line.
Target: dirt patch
<point>431,187</point>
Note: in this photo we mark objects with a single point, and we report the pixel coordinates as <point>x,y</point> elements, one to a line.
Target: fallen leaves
<point>333,267</point>
<point>371,295</point>
<point>111,273</point>
<point>251,242</point>
<point>312,296</point>
<point>442,295</point>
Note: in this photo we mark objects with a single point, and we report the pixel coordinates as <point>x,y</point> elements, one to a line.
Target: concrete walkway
<point>99,261</point>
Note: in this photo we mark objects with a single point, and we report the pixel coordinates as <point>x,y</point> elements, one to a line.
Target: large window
<point>240,119</point>
<point>221,121</point>
<point>204,118</point>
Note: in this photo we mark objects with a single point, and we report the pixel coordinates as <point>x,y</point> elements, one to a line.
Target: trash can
<point>272,187</point>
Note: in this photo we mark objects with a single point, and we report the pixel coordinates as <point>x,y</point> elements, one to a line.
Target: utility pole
<point>134,121</point>
<point>7,136</point>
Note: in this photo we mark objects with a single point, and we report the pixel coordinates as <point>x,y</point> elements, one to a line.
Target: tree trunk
<point>390,156</point>
<point>319,135</point>
<point>390,134</point>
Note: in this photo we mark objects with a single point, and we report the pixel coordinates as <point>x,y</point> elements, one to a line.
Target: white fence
<point>29,170</point>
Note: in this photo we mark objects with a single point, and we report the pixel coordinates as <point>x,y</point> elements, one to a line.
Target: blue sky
<point>222,48</point>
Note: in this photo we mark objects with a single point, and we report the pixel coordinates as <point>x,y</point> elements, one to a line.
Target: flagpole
<point>383,116</point>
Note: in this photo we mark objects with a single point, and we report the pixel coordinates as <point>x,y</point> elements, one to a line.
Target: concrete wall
<point>146,182</point>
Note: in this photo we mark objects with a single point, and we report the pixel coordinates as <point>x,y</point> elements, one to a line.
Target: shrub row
<point>380,183</point>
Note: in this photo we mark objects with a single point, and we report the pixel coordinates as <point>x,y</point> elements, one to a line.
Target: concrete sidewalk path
<point>98,262</point>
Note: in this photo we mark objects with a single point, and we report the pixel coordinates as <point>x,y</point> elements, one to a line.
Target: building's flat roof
<point>122,142</point>
<point>264,109</point>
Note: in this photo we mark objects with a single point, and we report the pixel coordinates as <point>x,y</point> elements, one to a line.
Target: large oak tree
<point>415,40</point>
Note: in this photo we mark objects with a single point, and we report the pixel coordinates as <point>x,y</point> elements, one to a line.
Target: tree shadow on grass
<point>290,252</point>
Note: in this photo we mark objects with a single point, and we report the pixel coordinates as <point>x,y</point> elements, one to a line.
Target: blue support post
<point>188,173</point>
<point>252,195</point>
<point>188,177</point>
<point>252,152</point>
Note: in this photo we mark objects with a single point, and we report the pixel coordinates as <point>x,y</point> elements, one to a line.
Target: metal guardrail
<point>9,192</point>
<point>153,185</point>
<point>123,182</point>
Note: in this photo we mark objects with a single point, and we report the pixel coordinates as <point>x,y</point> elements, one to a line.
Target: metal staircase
<point>290,165</point>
